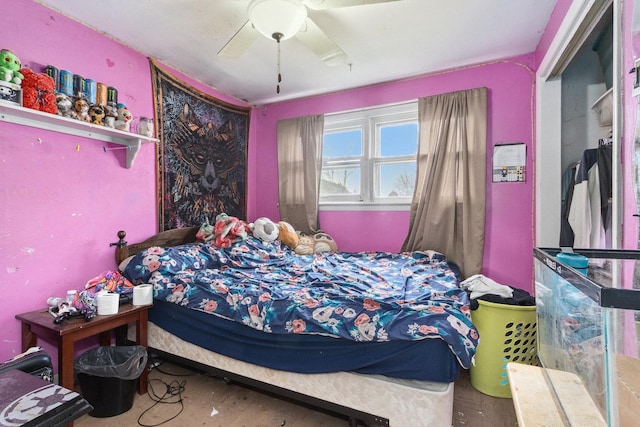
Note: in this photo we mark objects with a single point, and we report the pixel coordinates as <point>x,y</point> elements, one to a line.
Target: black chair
<point>34,361</point>
<point>29,396</point>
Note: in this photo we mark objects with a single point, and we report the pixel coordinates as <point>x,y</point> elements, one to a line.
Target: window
<point>369,157</point>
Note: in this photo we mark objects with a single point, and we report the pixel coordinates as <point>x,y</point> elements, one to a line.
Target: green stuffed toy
<point>10,67</point>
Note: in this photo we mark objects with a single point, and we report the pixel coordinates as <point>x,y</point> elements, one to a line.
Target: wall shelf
<point>28,117</point>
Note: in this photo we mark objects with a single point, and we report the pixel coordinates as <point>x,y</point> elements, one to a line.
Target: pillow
<point>123,264</point>
<point>324,243</point>
<point>170,260</point>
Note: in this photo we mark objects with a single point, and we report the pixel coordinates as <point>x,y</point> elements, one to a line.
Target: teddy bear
<point>38,91</point>
<point>10,67</point>
<point>63,101</point>
<point>287,234</point>
<point>305,245</point>
<point>264,229</point>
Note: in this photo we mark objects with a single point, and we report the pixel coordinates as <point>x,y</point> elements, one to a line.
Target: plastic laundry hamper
<point>508,333</point>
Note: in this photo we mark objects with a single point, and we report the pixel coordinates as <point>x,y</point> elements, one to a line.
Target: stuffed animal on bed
<point>206,232</point>
<point>305,245</point>
<point>318,243</point>
<point>324,243</point>
<point>287,234</point>
<point>229,230</point>
<point>264,229</point>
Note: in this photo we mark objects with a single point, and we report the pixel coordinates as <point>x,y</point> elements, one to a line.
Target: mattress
<point>427,359</point>
<point>401,402</point>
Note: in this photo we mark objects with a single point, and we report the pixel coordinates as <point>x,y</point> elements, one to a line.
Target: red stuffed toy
<point>38,91</point>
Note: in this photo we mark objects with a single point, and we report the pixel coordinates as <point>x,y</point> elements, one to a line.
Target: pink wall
<point>61,207</point>
<point>508,241</point>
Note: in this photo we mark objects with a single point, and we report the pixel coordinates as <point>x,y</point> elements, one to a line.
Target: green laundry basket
<point>507,334</point>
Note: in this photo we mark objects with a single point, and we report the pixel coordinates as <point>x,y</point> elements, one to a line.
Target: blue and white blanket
<point>365,296</point>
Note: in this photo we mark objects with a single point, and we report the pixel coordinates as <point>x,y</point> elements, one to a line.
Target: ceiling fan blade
<point>331,4</point>
<point>240,41</point>
<point>319,43</point>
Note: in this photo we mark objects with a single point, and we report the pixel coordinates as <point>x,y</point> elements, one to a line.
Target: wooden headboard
<point>175,237</point>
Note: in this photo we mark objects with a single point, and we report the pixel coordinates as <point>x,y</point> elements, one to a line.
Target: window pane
<point>342,144</point>
<point>396,180</point>
<point>340,181</point>
<point>399,140</point>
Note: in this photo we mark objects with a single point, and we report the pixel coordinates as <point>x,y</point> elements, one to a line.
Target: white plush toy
<point>265,229</point>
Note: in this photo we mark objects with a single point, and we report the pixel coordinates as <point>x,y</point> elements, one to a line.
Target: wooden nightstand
<point>39,324</point>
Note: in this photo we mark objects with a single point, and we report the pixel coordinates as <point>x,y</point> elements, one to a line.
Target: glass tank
<point>589,324</point>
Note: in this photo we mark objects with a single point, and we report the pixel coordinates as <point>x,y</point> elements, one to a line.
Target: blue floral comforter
<point>366,296</point>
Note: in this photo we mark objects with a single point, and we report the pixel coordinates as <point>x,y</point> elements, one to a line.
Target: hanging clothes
<point>568,182</point>
<point>589,206</point>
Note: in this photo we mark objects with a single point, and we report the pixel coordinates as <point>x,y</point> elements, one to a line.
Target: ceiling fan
<point>283,19</point>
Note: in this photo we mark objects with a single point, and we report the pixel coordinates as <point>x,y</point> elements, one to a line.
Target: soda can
<point>112,96</point>
<point>65,84</point>
<point>101,94</point>
<point>53,72</point>
<point>90,90</point>
<point>78,85</point>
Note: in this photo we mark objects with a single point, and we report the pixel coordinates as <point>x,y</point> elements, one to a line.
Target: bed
<point>378,337</point>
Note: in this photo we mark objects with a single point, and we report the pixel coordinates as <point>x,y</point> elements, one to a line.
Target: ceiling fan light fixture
<point>271,17</point>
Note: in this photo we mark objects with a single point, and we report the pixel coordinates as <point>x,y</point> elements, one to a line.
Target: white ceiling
<point>383,42</point>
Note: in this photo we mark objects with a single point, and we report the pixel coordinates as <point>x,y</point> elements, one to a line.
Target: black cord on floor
<point>171,394</point>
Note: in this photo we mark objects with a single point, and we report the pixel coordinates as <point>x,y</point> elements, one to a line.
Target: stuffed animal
<point>38,91</point>
<point>318,243</point>
<point>206,232</point>
<point>287,234</point>
<point>96,113</point>
<point>305,245</point>
<point>229,230</point>
<point>123,121</point>
<point>110,116</point>
<point>10,67</point>
<point>324,243</point>
<point>264,229</point>
<point>81,109</point>
<point>65,106</point>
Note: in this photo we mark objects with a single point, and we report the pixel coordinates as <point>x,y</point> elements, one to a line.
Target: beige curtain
<point>448,206</point>
<point>299,167</point>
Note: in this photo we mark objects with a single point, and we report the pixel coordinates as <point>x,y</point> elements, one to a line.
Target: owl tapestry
<point>202,155</point>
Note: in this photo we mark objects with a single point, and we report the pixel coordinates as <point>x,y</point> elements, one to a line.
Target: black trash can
<point>108,377</point>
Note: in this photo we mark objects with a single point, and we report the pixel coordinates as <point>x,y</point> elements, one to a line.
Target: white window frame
<point>370,121</point>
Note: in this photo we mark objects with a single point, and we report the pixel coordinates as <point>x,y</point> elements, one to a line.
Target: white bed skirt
<point>403,402</point>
